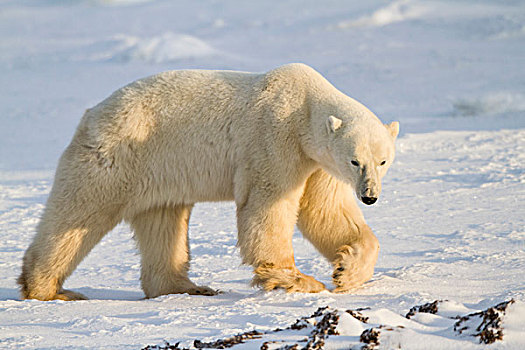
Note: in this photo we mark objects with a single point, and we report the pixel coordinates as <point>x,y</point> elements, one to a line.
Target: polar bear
<point>286,146</point>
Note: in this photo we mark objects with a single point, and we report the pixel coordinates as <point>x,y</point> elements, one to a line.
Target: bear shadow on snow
<point>285,145</point>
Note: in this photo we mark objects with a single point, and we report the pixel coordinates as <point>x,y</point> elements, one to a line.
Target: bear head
<point>359,151</point>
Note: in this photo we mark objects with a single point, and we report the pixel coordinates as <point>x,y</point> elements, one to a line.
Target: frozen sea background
<point>451,217</point>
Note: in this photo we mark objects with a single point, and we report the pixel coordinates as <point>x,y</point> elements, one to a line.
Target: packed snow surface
<point>450,220</point>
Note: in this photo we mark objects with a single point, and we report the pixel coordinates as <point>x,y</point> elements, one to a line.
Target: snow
<point>167,47</point>
<point>396,11</point>
<point>450,220</point>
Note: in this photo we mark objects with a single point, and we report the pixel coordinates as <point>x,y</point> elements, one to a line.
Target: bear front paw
<point>291,280</point>
<point>202,290</point>
<point>352,268</point>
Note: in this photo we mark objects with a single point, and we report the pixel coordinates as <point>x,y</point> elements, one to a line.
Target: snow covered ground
<point>450,220</point>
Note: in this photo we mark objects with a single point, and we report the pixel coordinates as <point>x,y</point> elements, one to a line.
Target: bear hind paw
<point>69,295</point>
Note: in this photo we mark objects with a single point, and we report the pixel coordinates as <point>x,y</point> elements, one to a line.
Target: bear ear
<point>393,129</point>
<point>333,123</point>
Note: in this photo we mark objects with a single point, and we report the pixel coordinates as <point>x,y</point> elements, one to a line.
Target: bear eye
<point>383,162</point>
<point>355,163</point>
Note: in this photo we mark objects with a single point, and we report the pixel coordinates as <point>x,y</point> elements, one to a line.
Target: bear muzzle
<point>368,200</point>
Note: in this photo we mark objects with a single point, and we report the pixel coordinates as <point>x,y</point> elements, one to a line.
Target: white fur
<point>152,149</point>
<point>334,123</point>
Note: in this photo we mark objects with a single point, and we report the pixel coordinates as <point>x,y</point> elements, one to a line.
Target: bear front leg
<point>162,237</point>
<point>331,220</point>
<point>265,229</point>
<point>354,264</point>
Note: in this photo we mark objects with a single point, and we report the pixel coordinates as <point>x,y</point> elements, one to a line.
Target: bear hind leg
<point>162,238</point>
<point>61,242</point>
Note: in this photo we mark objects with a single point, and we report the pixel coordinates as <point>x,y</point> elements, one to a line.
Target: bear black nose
<point>369,200</point>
